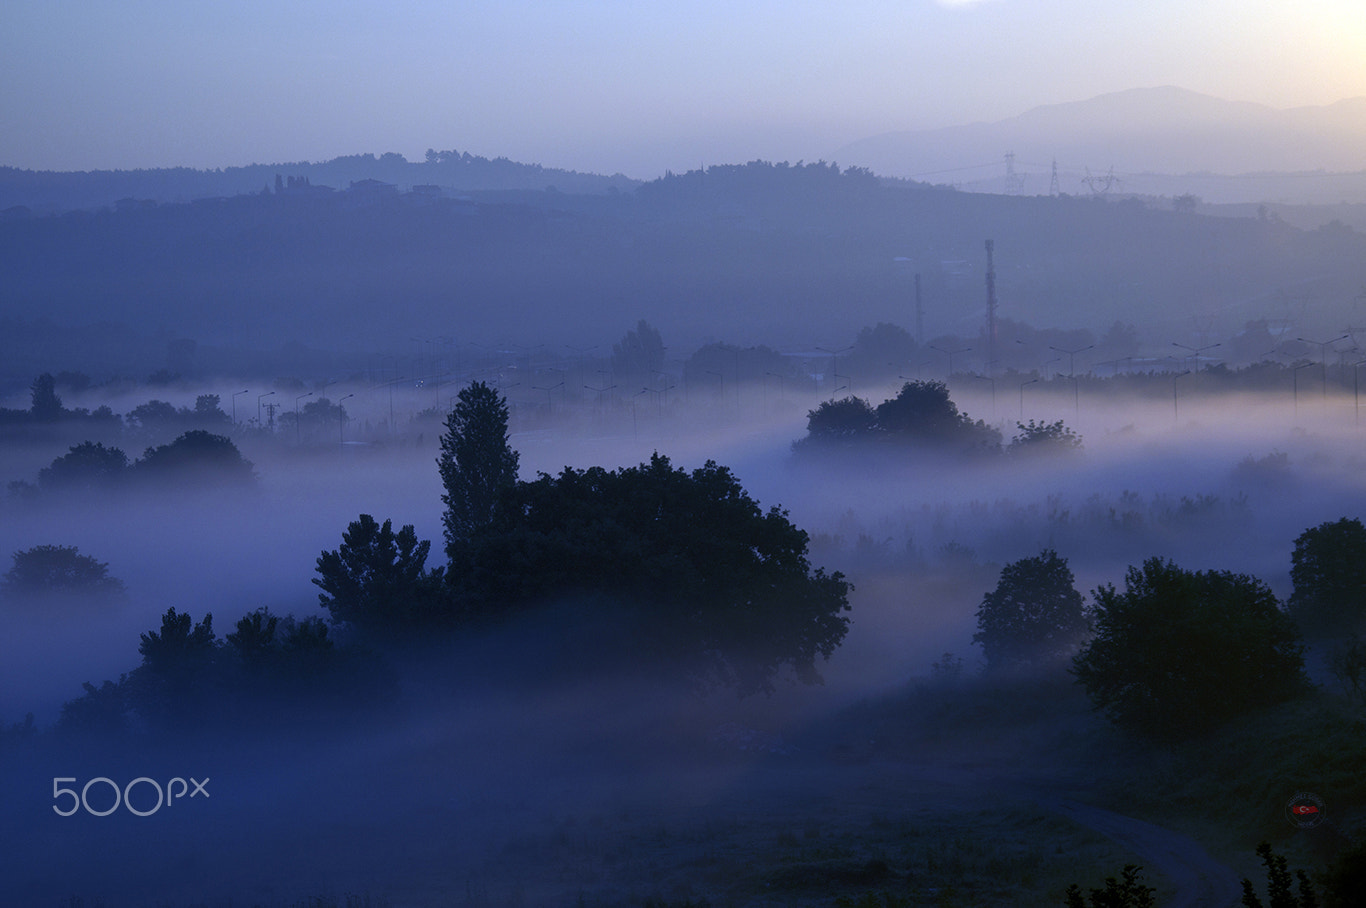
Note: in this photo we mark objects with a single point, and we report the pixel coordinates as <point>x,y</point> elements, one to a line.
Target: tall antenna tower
<point>1054,189</point>
<point>991,310</point>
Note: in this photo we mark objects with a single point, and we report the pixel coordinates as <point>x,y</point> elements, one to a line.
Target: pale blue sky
<point>611,85</point>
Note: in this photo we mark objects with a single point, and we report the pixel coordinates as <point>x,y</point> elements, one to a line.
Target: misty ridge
<point>677,543</point>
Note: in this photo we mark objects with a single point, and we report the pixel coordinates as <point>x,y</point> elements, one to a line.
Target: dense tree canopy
<point>199,456</point>
<point>701,574</point>
<point>86,467</point>
<point>1178,651</point>
<point>881,351</point>
<point>838,423</point>
<point>376,581</point>
<point>1329,573</point>
<point>638,354</point>
<point>477,464</point>
<point>921,416</point>
<point>922,413</point>
<point>1034,615</point>
<point>58,569</point>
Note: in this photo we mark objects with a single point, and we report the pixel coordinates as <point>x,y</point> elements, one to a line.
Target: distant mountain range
<point>1141,132</point>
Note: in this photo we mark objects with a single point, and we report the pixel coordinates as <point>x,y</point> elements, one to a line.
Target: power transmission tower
<point>1054,189</point>
<point>1014,181</point>
<point>1100,186</point>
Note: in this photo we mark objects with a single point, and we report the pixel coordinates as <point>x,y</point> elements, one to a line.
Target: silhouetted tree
<point>638,354</point>
<point>1128,892</point>
<point>197,455</point>
<point>46,406</point>
<point>837,423</point>
<point>477,464</point>
<point>923,414</point>
<point>58,569</point>
<point>254,641</point>
<point>1280,889</point>
<point>698,574</point>
<point>154,414</point>
<point>1034,615</point>
<point>177,684</point>
<point>376,581</point>
<point>1328,568</point>
<point>1178,651</point>
<point>86,467</point>
<point>735,363</point>
<point>100,710</point>
<point>884,350</point>
<point>207,411</point>
<point>1044,438</point>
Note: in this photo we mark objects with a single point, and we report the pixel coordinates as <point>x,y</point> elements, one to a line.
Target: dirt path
<point>1200,881</point>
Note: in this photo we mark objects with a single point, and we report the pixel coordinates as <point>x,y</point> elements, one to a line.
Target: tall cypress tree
<point>476,463</point>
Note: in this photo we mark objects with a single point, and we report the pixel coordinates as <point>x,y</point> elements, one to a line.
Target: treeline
<point>49,190</point>
<point>1174,652</point>
<point>920,418</point>
<point>647,569</point>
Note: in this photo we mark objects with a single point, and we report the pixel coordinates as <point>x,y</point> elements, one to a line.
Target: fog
<point>507,773</point>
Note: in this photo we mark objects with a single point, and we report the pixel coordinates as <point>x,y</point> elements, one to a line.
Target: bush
<point>1177,650</point>
<point>1044,438</point>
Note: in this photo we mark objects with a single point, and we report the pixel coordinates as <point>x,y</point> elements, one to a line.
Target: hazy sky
<point>611,85</point>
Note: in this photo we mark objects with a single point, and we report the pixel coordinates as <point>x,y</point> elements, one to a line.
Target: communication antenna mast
<point>1014,181</point>
<point>1054,189</point>
<point>991,309</point>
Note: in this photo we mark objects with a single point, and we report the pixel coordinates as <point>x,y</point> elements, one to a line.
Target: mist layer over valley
<point>499,766</point>
<point>763,534</point>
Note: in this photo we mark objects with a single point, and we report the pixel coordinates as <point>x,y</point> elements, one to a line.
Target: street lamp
<point>1072,373</point>
<point>1175,414</point>
<point>1323,356</point>
<point>950,355</point>
<point>1295,379</point>
<point>1356,393</point>
<point>1022,387</point>
<point>549,391</point>
<point>296,414</point>
<point>1196,350</point>
<point>341,420</point>
<point>1071,357</point>
<point>993,392</point>
<point>234,403</point>
<point>834,361</point>
<point>721,384</point>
